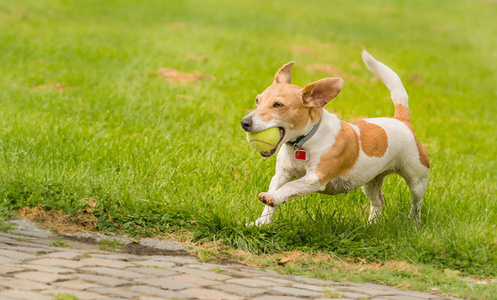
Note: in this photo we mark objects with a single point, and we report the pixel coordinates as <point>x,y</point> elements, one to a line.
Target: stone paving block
<point>201,281</point>
<point>210,294</point>
<point>104,280</point>
<point>80,295</point>
<point>271,297</point>
<point>153,291</point>
<point>403,297</point>
<point>29,228</point>
<point>162,244</point>
<point>42,277</point>
<point>180,260</point>
<point>369,290</point>
<point>240,289</point>
<point>17,294</point>
<point>65,254</point>
<point>101,262</point>
<point>57,262</point>
<point>251,282</point>
<point>117,273</point>
<point>9,269</point>
<point>238,273</point>
<point>277,280</point>
<point>150,272</point>
<point>205,266</point>
<point>49,269</point>
<point>114,256</point>
<point>155,263</point>
<point>262,272</point>
<point>418,294</point>
<point>77,284</point>
<point>111,292</point>
<point>353,295</point>
<point>200,273</point>
<point>310,287</point>
<point>313,281</point>
<point>22,284</point>
<point>15,255</point>
<point>166,284</point>
<point>31,250</point>
<point>295,292</point>
<point>6,261</point>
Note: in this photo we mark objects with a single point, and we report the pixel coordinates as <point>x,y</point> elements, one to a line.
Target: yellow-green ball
<point>264,140</point>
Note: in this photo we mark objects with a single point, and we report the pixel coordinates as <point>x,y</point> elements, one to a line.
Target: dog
<point>320,153</point>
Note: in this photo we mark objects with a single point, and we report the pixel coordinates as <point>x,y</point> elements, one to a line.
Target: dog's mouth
<point>271,152</point>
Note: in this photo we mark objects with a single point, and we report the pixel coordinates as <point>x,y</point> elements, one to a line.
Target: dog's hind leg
<point>417,187</point>
<point>372,190</point>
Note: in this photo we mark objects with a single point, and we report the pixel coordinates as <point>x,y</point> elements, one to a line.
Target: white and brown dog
<point>330,156</point>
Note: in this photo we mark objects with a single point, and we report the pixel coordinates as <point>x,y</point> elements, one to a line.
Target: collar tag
<point>301,154</point>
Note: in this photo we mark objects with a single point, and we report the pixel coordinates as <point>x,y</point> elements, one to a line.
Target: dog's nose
<point>246,123</point>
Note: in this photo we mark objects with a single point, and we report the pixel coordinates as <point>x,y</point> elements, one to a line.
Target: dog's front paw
<point>270,200</point>
<point>266,199</point>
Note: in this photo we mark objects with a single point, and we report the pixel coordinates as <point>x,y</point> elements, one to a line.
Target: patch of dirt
<point>178,25</point>
<point>50,86</point>
<point>137,249</point>
<point>59,222</point>
<point>194,57</point>
<point>175,76</point>
<point>328,70</point>
<point>302,50</point>
<point>416,79</point>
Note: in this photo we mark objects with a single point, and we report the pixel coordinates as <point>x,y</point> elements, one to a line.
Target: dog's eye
<point>277,105</point>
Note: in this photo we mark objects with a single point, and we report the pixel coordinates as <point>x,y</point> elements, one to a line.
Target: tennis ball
<point>265,140</point>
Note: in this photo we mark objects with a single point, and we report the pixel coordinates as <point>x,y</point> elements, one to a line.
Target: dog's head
<point>289,107</point>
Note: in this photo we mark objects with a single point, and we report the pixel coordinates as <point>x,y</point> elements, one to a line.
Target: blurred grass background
<point>84,114</point>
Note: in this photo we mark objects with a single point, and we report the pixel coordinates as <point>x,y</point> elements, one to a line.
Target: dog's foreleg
<point>303,186</point>
<point>278,180</point>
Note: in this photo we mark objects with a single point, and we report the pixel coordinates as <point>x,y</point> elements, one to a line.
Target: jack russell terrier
<point>324,154</point>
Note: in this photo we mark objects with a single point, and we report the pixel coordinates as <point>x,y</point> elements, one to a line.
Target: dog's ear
<point>321,92</point>
<point>284,74</point>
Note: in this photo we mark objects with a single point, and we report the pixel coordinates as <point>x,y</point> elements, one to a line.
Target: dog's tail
<point>393,83</point>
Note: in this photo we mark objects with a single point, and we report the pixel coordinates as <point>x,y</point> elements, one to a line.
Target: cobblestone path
<point>31,267</point>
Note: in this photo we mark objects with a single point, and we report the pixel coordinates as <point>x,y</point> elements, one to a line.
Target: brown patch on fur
<point>402,113</point>
<point>423,155</point>
<point>293,112</point>
<point>341,157</point>
<point>57,221</point>
<point>374,139</point>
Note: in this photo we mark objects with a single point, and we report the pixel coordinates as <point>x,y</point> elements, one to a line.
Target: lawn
<point>87,111</point>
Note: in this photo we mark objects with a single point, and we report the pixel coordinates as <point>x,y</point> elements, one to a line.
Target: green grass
<point>60,243</point>
<point>158,155</point>
<point>112,245</point>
